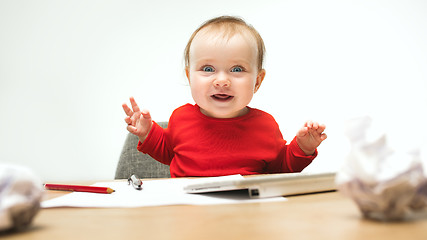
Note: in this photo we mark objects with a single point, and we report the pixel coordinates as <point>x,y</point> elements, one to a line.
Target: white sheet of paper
<point>154,193</point>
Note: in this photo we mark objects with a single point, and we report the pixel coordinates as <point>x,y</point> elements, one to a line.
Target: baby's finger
<point>127,110</point>
<point>323,136</point>
<point>135,106</point>
<point>321,128</point>
<point>315,125</point>
<point>131,129</point>
<point>128,120</point>
<point>302,132</point>
<point>146,114</point>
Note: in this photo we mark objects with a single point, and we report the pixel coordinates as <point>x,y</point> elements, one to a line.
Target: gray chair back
<point>134,162</point>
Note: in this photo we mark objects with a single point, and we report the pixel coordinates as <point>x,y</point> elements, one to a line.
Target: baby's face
<point>223,74</point>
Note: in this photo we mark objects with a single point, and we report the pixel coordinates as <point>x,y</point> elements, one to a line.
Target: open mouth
<point>222,97</point>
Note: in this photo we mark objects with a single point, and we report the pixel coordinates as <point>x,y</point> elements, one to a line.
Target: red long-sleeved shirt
<point>197,145</point>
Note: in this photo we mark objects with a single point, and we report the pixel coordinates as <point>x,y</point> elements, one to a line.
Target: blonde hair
<point>230,26</point>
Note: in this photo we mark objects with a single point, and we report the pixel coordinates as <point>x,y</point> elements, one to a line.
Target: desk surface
<point>313,216</point>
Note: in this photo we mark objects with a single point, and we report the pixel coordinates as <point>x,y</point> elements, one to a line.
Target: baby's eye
<point>208,69</point>
<point>237,69</point>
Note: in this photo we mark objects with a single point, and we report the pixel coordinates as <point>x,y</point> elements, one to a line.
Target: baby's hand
<point>310,136</point>
<point>139,122</point>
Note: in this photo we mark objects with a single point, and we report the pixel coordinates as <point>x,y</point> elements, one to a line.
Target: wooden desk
<point>314,216</point>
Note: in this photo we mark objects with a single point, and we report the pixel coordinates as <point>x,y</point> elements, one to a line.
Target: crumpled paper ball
<point>386,184</point>
<point>20,195</point>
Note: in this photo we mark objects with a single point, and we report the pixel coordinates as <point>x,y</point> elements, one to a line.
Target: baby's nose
<point>222,81</point>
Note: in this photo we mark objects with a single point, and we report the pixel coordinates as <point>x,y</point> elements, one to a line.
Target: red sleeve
<point>156,145</point>
<point>295,159</point>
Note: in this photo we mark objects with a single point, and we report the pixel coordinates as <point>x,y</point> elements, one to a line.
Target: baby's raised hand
<point>139,122</point>
<point>310,136</point>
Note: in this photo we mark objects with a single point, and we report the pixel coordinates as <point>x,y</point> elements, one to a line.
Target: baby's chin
<point>224,113</point>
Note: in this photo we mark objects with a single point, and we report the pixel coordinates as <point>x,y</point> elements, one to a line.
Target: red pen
<point>78,188</point>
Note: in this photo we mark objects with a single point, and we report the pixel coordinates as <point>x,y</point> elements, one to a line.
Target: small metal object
<point>136,182</point>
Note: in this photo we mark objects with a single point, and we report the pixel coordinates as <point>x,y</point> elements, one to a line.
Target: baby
<point>220,135</point>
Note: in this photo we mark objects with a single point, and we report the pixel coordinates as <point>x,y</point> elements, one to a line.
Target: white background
<point>67,66</point>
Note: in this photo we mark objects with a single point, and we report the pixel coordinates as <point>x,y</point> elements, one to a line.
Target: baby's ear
<point>187,73</point>
<point>259,79</point>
